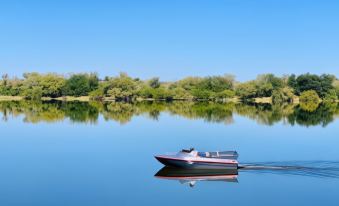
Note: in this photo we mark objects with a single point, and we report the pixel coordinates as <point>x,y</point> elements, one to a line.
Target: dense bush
<point>202,94</point>
<point>154,82</point>
<point>181,93</point>
<point>122,87</point>
<point>321,84</point>
<point>331,96</point>
<point>282,95</point>
<point>33,93</point>
<point>80,84</point>
<point>10,87</point>
<point>97,94</point>
<point>263,86</point>
<point>336,87</point>
<point>247,90</point>
<point>224,94</point>
<point>216,83</point>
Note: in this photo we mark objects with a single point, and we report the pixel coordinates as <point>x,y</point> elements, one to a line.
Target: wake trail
<point>320,169</point>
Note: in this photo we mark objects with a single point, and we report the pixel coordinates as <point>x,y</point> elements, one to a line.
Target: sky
<point>170,39</point>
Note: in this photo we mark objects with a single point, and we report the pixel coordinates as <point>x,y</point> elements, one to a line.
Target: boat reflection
<point>192,176</point>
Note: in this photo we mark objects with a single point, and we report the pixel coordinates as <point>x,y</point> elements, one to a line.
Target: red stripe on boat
<point>171,158</point>
<point>199,177</point>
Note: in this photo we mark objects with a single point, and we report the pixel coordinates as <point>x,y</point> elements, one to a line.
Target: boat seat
<point>204,154</point>
<point>219,155</point>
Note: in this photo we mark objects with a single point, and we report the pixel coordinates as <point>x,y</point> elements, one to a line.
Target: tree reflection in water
<point>88,112</point>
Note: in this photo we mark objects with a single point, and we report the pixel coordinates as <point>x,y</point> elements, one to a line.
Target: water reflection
<point>315,169</point>
<point>88,112</point>
<point>192,176</point>
<point>309,106</point>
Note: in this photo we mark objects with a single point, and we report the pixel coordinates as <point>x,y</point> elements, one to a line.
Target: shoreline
<point>259,100</point>
<point>106,99</point>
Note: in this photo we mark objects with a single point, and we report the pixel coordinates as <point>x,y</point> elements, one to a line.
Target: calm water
<point>57,153</point>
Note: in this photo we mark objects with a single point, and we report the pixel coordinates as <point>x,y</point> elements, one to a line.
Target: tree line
<point>309,87</point>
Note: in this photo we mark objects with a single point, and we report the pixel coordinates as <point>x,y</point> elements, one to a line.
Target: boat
<point>192,176</point>
<point>192,159</point>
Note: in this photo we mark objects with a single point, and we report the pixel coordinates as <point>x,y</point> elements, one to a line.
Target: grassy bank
<point>10,98</point>
<point>267,100</point>
<point>67,98</point>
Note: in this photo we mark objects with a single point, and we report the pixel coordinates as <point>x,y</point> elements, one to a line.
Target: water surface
<point>56,153</point>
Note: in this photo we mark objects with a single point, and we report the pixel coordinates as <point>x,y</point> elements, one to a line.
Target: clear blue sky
<point>170,39</point>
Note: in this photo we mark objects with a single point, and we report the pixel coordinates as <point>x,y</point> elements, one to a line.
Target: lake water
<point>56,153</point>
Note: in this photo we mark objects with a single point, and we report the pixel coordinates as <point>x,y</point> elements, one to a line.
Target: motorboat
<point>192,159</point>
<point>191,176</point>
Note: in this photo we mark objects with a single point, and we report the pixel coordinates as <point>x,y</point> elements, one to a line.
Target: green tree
<point>246,90</point>
<point>181,93</point>
<point>292,82</point>
<point>336,87</point>
<point>309,100</point>
<point>276,82</point>
<point>201,94</point>
<point>93,81</point>
<point>10,87</point>
<point>216,83</point>
<point>162,93</point>
<point>282,95</point>
<point>224,94</point>
<point>326,84</point>
<point>31,88</point>
<point>3,84</point>
<point>321,84</point>
<point>32,93</point>
<point>51,85</point>
<point>122,88</point>
<point>188,83</point>
<point>331,96</point>
<point>4,79</point>
<point>97,94</point>
<point>263,89</point>
<point>80,85</point>
<point>145,92</point>
<point>154,82</point>
<point>266,83</point>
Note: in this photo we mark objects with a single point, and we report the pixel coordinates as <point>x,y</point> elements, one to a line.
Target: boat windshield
<point>187,150</point>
